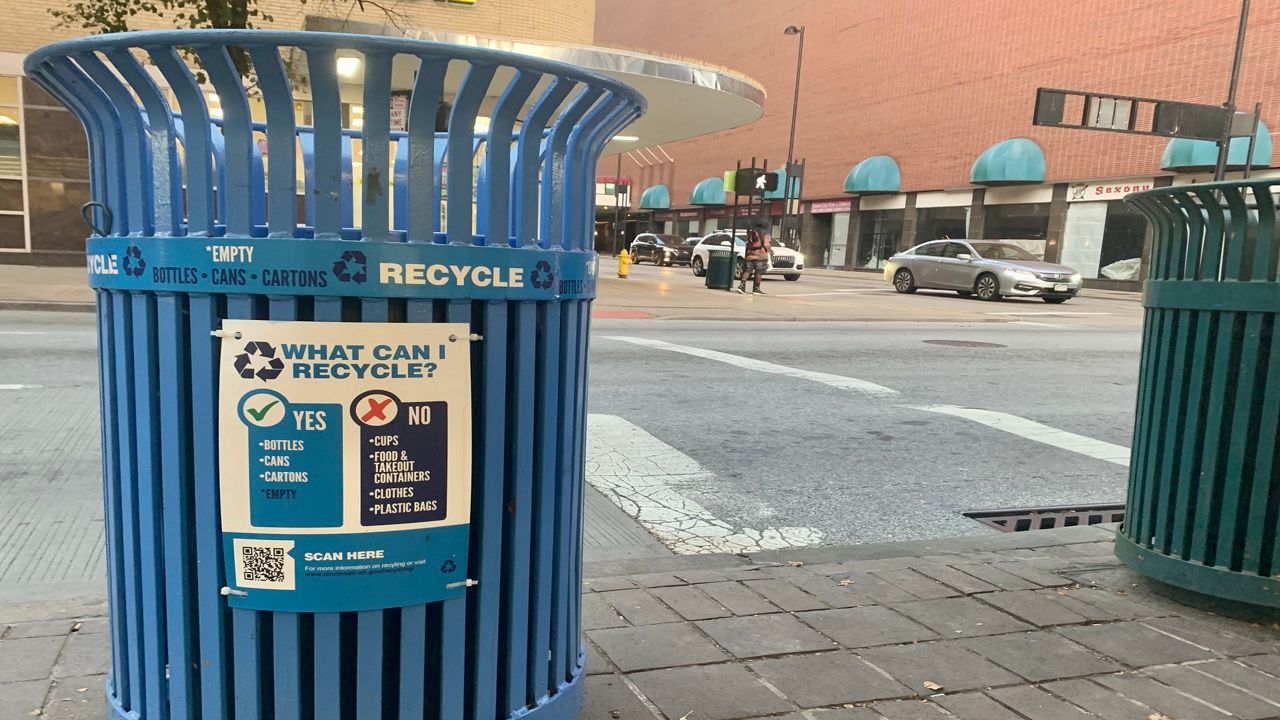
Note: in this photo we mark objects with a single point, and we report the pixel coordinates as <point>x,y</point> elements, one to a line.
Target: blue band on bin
<point>339,268</point>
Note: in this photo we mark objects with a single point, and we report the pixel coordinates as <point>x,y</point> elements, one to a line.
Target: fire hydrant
<point>624,263</point>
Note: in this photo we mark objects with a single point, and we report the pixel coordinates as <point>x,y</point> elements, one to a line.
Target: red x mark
<point>375,410</point>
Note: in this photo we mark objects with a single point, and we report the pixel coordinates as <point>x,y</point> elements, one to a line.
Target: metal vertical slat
<point>111,482</point>
<point>413,652</point>
<point>1166,446</point>
<point>451,679</point>
<point>1137,469</point>
<point>499,228</point>
<point>519,500</point>
<point>178,508</point>
<point>237,195</point>
<point>1263,521</point>
<point>526,204</point>
<point>545,480</point>
<point>327,627</point>
<point>1246,344</point>
<point>369,664</point>
<point>424,103</point>
<point>326,102</point>
<point>1262,502</point>
<point>369,623</point>
<point>418,150</point>
<point>561,571</point>
<point>211,610</point>
<point>286,627</point>
<point>487,514</point>
<point>461,144</point>
<point>554,170</point>
<point>59,84</point>
<point>166,172</point>
<point>135,168</point>
<point>195,139</point>
<point>282,181</point>
<point>577,483</point>
<point>124,382</point>
<point>1219,351</point>
<point>150,503</point>
<point>376,145</point>
<point>246,625</point>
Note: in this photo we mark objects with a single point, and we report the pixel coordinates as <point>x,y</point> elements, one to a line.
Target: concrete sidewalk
<point>1038,625</point>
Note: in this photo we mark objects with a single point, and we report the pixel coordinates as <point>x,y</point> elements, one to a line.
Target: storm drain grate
<point>964,343</point>
<point>1048,518</point>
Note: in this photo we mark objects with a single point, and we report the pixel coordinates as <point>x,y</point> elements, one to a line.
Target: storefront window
<point>880,235</point>
<point>1104,240</point>
<point>1025,225</point>
<point>936,223</point>
<point>12,202</point>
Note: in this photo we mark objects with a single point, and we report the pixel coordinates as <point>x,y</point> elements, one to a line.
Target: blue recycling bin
<point>343,369</point>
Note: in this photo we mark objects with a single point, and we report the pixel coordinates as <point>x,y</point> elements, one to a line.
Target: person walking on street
<point>758,250</point>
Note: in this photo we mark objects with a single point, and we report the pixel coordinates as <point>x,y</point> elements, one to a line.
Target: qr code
<point>262,563</point>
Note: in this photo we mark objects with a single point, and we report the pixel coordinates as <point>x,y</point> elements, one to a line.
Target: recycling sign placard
<point>344,463</point>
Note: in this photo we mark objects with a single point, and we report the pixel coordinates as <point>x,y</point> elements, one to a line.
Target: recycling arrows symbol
<point>542,276</point>
<point>134,265</point>
<point>268,371</point>
<point>351,267</point>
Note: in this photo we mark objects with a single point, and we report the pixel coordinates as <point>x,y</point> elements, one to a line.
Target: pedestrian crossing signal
<point>754,181</point>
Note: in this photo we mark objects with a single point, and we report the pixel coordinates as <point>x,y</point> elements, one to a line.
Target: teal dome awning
<point>708,192</point>
<point>1188,154</point>
<point>782,185</point>
<point>875,174</point>
<point>1016,160</point>
<point>655,197</point>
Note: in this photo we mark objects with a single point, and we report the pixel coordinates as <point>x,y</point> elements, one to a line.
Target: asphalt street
<point>789,451</point>
<point>716,435</point>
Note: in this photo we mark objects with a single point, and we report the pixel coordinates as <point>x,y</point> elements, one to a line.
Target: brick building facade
<point>933,84</point>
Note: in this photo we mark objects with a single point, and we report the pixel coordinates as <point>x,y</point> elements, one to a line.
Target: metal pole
<point>791,136</point>
<point>617,208</point>
<point>1224,144</point>
<point>1253,138</point>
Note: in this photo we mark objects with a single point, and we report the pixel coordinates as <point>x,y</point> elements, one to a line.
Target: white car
<point>785,262</point>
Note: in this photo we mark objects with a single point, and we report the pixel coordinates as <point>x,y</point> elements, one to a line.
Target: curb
<point>47,306</point>
<point>847,553</point>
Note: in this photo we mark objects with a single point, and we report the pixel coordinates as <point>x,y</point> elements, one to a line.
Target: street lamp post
<point>791,138</point>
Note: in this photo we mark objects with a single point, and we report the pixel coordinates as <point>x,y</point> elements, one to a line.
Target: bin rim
<point>305,39</point>
<point>1204,186</point>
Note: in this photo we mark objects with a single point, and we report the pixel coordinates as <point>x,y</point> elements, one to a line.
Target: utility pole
<point>1224,145</point>
<point>791,137</point>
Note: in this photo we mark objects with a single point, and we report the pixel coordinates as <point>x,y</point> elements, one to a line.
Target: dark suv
<point>660,249</point>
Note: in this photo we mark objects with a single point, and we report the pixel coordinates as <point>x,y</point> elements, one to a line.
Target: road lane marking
<point>640,474</point>
<point>20,387</point>
<point>863,387</point>
<point>1039,432</point>
<point>1050,313</point>
<point>1005,422</point>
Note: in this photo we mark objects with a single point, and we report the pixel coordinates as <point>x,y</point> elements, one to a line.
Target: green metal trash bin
<point>1203,509</point>
<point>720,270</point>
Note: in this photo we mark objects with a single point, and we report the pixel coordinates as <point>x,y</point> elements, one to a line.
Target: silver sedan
<point>989,269</point>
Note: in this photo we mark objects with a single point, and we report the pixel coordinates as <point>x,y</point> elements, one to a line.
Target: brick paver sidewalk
<point>950,631</point>
<point>1043,625</point>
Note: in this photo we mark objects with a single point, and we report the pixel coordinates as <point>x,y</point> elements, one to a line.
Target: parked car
<point>989,269</point>
<point>661,249</point>
<point>785,262</point>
